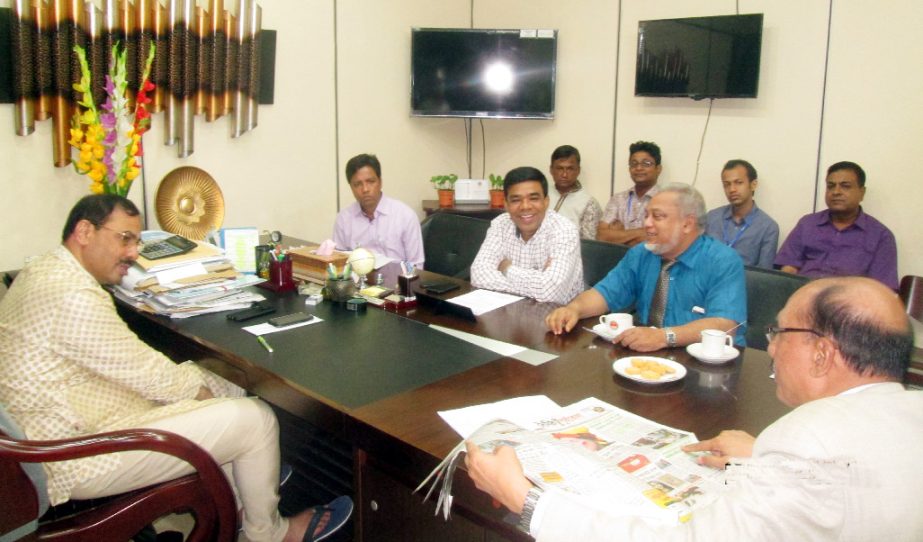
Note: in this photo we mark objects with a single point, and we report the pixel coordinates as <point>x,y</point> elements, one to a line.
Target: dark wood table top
<point>735,395</point>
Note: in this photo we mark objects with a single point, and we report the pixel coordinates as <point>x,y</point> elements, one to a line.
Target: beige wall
<point>342,87</point>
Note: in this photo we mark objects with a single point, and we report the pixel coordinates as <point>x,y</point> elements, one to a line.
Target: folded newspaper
<point>606,457</point>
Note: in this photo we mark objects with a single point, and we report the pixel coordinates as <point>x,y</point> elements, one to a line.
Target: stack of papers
<point>198,282</point>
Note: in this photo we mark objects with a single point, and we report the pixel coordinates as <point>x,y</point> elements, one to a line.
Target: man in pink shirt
<point>376,222</point>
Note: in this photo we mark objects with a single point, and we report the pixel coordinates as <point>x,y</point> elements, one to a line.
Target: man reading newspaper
<point>843,465</point>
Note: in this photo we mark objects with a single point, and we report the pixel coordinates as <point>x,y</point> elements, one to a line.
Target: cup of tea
<point>714,342</point>
<point>617,322</point>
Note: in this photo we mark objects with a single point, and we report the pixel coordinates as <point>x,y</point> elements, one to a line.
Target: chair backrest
<point>911,293</point>
<point>599,258</point>
<point>767,293</point>
<point>18,482</point>
<point>451,242</point>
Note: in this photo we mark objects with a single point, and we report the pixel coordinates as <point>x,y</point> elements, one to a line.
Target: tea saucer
<point>604,332</point>
<point>695,350</point>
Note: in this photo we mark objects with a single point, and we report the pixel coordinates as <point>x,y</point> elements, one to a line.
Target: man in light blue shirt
<point>742,225</point>
<point>706,287</point>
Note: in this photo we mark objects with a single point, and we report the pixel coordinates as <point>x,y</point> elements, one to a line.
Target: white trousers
<point>242,434</point>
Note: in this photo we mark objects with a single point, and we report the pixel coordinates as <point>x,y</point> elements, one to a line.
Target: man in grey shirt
<point>742,225</point>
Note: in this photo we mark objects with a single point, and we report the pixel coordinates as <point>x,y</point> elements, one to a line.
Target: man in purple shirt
<point>376,222</point>
<point>842,240</point>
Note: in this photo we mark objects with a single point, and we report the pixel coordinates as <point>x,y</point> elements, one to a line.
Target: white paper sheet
<point>519,410</point>
<point>266,328</point>
<point>482,301</point>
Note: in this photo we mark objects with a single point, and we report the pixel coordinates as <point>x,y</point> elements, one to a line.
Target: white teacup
<point>714,342</point>
<point>617,322</point>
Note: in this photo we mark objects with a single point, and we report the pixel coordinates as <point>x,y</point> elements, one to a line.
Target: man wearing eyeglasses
<point>623,219</point>
<point>843,465</point>
<point>69,367</point>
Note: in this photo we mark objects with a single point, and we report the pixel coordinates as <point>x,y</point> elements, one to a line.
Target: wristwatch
<point>528,508</point>
<point>671,337</point>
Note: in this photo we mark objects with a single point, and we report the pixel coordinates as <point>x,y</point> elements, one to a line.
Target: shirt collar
<point>652,191</point>
<point>861,222</point>
<point>689,257</point>
<point>748,218</point>
<point>577,188</point>
<point>381,209</point>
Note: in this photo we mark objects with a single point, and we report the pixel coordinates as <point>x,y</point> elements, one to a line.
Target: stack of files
<point>198,282</point>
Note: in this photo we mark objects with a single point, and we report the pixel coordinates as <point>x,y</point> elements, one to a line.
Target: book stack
<point>306,265</point>
<point>200,281</point>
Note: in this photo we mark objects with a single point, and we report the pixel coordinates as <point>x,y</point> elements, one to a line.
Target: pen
<point>264,343</point>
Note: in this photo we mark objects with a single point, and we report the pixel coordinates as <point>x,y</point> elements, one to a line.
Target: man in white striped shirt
<point>529,250</point>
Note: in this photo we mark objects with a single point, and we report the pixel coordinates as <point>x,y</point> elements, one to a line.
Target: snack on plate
<point>649,369</point>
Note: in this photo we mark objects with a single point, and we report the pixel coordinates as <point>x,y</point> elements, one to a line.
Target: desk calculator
<point>171,246</point>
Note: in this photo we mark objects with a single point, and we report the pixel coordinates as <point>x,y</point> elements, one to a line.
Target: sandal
<point>340,509</point>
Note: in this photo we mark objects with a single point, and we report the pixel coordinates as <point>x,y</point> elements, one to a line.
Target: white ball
<point>362,261</point>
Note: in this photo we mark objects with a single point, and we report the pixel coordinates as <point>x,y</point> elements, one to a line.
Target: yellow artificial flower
<point>88,117</point>
<point>76,137</point>
<point>131,174</point>
<point>98,151</point>
<point>95,174</point>
<point>86,156</point>
<point>96,187</point>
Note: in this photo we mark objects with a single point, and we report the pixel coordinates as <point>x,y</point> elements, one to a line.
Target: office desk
<point>393,431</point>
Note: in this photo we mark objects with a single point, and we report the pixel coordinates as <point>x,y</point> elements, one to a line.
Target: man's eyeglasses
<point>128,238</point>
<point>773,330</point>
<point>642,163</point>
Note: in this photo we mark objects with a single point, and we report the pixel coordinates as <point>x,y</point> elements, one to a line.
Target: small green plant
<point>496,182</point>
<point>444,182</point>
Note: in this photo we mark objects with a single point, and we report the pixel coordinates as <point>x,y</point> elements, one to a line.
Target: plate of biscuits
<point>649,369</point>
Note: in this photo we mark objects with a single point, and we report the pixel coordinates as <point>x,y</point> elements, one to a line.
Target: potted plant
<point>496,191</point>
<point>445,185</point>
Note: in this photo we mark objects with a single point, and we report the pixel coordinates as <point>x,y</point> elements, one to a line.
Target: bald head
<point>864,318</point>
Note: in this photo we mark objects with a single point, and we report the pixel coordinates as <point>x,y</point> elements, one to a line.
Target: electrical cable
<point>483,150</point>
<point>711,102</point>
<point>467,146</point>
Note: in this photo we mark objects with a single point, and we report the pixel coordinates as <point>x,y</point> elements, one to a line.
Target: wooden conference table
<point>366,387</point>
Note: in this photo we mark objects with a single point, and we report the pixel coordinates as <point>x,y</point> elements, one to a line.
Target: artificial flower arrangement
<point>108,138</point>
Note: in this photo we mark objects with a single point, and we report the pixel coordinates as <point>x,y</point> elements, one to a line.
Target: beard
<point>661,248</point>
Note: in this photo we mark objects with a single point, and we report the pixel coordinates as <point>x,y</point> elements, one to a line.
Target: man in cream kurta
<point>843,465</point>
<point>69,366</point>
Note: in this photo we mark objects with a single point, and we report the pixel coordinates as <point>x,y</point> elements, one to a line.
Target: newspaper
<point>602,455</point>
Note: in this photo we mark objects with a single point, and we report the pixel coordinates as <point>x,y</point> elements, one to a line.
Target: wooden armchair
<point>206,493</point>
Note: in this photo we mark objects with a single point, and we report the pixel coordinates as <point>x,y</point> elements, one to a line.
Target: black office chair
<point>911,293</point>
<point>767,293</point>
<point>451,242</point>
<point>599,258</point>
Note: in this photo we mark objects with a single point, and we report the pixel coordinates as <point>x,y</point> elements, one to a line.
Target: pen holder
<point>262,257</point>
<point>339,290</point>
<point>405,285</point>
<point>280,275</point>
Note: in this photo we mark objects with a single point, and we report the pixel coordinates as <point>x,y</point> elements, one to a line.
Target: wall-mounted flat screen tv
<point>482,73</point>
<point>700,57</point>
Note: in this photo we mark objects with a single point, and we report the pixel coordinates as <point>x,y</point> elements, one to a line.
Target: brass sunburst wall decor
<point>189,203</point>
<point>207,61</point>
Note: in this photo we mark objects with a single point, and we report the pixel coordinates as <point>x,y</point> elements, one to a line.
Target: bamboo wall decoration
<point>207,62</point>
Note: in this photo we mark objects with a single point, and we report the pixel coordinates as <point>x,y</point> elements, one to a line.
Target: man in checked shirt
<point>529,250</point>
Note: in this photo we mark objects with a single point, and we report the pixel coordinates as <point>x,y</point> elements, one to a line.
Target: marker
<point>264,343</point>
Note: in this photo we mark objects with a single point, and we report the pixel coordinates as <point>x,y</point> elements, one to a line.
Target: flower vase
<point>446,198</point>
<point>496,199</point>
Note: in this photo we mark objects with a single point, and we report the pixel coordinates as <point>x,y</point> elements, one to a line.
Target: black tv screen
<point>482,73</point>
<point>700,57</point>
